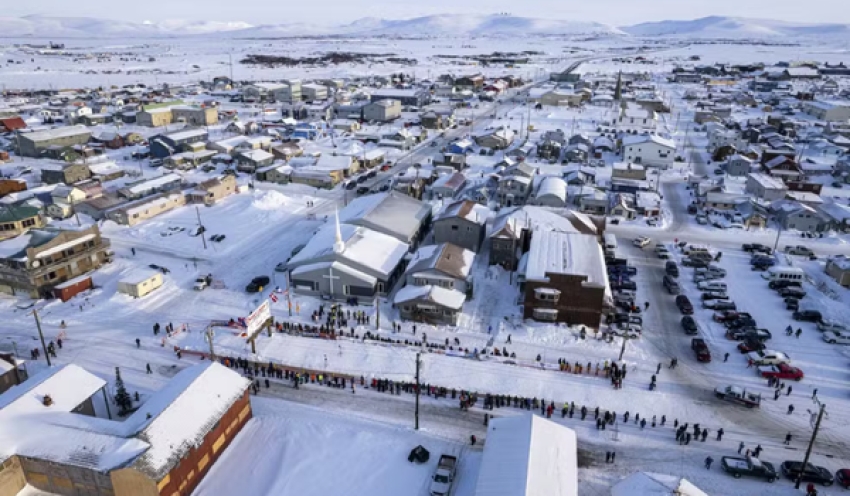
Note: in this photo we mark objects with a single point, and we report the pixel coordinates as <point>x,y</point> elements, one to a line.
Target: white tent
<point>528,455</point>
<point>651,484</point>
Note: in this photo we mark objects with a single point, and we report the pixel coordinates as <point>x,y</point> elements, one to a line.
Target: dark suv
<point>808,316</point>
<point>257,284</point>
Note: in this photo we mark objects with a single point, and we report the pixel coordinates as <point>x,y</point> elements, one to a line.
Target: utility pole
<point>377,313</point>
<point>778,233</point>
<point>288,291</point>
<point>74,209</point>
<point>416,412</point>
<point>210,337</point>
<point>623,348</point>
<point>41,335</point>
<point>811,444</point>
<point>201,228</point>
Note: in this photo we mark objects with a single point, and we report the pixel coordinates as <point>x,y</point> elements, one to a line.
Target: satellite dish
<point>36,264</point>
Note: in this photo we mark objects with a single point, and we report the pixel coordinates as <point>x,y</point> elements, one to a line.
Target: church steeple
<point>339,244</point>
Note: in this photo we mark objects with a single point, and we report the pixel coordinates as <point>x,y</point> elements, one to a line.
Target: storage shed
<point>73,287</point>
<point>139,283</point>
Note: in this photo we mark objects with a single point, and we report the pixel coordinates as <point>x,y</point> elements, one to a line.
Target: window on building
<point>454,228</point>
<point>547,314</point>
<point>346,290</point>
<point>203,462</point>
<point>547,294</point>
<point>164,482</point>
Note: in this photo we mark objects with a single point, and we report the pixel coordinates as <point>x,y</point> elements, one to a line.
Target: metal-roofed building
<point>33,144</point>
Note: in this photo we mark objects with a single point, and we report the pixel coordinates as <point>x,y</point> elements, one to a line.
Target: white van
<point>784,273</point>
<point>610,242</point>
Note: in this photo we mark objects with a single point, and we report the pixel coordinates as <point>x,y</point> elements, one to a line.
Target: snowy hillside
<point>476,25</point>
<point>733,27</point>
<point>436,25</point>
<point>78,27</point>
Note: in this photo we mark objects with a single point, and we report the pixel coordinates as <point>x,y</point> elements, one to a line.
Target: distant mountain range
<point>734,27</point>
<point>445,25</point>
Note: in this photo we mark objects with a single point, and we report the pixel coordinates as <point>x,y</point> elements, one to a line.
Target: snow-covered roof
<point>52,134</point>
<point>138,276</point>
<point>554,186</point>
<point>336,267</point>
<point>527,455</point>
<point>649,138</point>
<point>153,183</point>
<point>393,213</point>
<point>364,247</point>
<point>177,417</point>
<point>30,428</point>
<point>64,246</point>
<point>257,155</point>
<point>447,258</point>
<point>68,386</point>
<point>466,209</point>
<point>566,253</point>
<point>768,182</point>
<point>187,134</point>
<point>651,484</point>
<point>449,298</point>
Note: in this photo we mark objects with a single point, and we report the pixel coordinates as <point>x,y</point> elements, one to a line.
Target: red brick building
<point>165,447</point>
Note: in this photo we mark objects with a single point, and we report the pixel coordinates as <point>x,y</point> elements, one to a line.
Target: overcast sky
<point>616,12</point>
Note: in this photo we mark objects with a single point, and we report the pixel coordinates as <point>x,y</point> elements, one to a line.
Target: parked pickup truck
<point>749,466</point>
<point>445,476</point>
<point>735,394</point>
<point>701,349</point>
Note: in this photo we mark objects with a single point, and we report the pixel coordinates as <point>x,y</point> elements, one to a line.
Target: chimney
<point>47,400</point>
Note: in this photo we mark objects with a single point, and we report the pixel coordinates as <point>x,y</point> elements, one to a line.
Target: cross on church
<point>330,277</point>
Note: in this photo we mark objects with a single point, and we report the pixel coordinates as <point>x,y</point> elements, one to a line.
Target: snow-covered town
<point>477,256</point>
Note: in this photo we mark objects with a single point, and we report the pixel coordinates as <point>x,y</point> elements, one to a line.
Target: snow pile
<point>269,200</point>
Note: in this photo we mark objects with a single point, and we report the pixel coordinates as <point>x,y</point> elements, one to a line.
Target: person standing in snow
<point>719,434</point>
<point>138,343</point>
<point>472,440</point>
<point>787,439</point>
<point>708,461</point>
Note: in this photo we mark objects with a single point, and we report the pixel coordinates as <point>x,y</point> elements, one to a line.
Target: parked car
<point>257,284</point>
<point>729,315</point>
<point>739,395</point>
<point>689,325</point>
<point>751,345</point>
<point>671,285</point>
<point>160,268</point>
<point>757,248</point>
<point>671,269</point>
<point>715,295</point>
<point>641,241</point>
<point>832,325</point>
<point>712,286</point>
<point>792,293</point>
<point>792,304</point>
<point>780,371</point>
<point>799,250</point>
<point>784,283</point>
<point>811,473</point>
<point>701,350</point>
<point>749,334</point>
<point>684,305</point>
<point>768,357</point>
<point>720,305</point>
<point>745,322</point>
<point>808,316</point>
<point>444,476</point>
<point>662,252</point>
<point>835,337</point>
<point>694,262</point>
<point>748,466</point>
<point>843,477</point>
<point>630,285</point>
